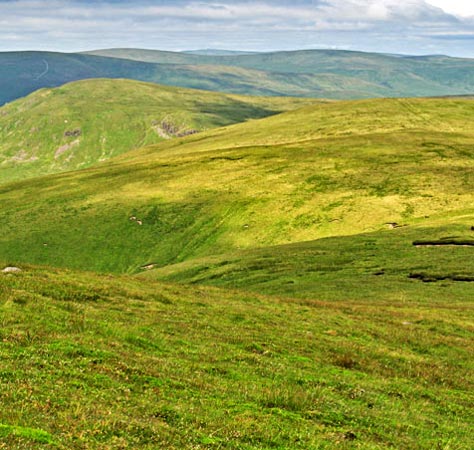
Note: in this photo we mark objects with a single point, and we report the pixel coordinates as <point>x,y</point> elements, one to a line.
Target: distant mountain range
<point>311,73</point>
<point>216,52</point>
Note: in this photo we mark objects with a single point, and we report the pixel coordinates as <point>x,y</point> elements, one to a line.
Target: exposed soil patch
<point>447,241</point>
<point>66,147</point>
<point>227,158</point>
<point>23,156</point>
<point>168,130</point>
<point>433,278</point>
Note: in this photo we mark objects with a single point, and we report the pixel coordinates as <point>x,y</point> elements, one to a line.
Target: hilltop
<point>87,122</point>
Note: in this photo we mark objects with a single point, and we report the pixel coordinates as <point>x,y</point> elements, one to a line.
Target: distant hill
<point>86,122</point>
<point>213,52</point>
<point>312,73</point>
<point>389,75</point>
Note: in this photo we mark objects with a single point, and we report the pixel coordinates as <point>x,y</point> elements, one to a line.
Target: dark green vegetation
<point>337,73</point>
<point>107,362</point>
<point>311,73</point>
<point>312,306</point>
<point>86,122</point>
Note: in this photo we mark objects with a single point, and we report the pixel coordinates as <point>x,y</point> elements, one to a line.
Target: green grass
<point>25,434</point>
<point>114,362</point>
<point>307,314</point>
<point>86,122</point>
<point>326,170</point>
<point>378,267</point>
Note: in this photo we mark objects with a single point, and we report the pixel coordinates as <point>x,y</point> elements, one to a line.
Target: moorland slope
<point>338,238</point>
<point>87,122</point>
<point>322,171</point>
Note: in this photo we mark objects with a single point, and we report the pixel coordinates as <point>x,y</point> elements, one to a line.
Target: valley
<point>196,269</point>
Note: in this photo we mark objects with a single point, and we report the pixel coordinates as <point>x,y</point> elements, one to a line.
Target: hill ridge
<point>309,73</point>
<point>87,122</point>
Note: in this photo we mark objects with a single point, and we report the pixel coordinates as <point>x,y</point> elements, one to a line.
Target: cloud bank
<point>397,26</point>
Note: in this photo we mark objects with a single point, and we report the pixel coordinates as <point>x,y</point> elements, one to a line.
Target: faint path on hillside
<point>42,74</point>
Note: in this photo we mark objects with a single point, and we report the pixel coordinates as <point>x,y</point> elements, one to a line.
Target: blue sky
<point>392,26</point>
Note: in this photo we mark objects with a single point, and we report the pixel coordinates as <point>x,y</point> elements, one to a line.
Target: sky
<point>387,26</point>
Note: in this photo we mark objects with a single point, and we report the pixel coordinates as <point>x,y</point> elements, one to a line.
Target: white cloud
<point>462,8</point>
<point>384,25</point>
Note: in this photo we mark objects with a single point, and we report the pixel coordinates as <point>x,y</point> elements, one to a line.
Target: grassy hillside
<point>379,267</point>
<point>85,122</point>
<point>113,362</point>
<point>328,170</point>
<point>327,253</point>
<point>312,73</point>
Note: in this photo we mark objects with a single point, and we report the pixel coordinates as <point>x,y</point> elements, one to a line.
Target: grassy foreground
<point>102,362</point>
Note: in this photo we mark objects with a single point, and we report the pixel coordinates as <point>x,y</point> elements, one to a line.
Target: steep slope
<point>328,170</point>
<point>112,362</point>
<point>83,123</point>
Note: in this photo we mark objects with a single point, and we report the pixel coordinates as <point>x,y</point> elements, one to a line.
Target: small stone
<point>11,270</point>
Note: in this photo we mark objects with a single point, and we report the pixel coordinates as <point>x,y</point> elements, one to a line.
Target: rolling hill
<point>86,122</point>
<point>384,75</point>
<point>25,72</point>
<point>328,170</point>
<point>315,277</point>
<point>316,73</point>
